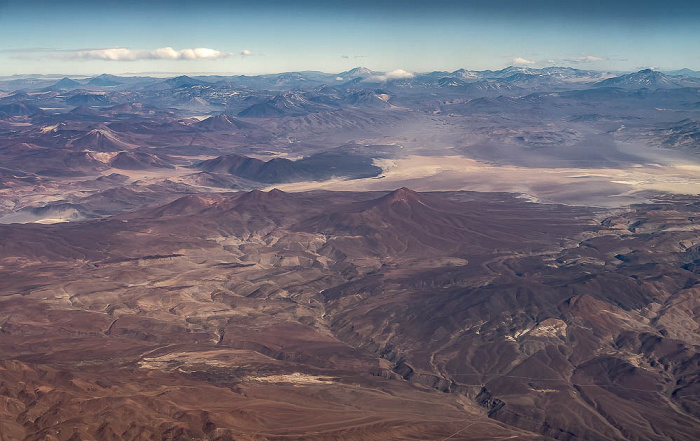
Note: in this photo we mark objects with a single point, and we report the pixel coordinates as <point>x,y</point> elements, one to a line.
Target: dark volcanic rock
<point>316,167</point>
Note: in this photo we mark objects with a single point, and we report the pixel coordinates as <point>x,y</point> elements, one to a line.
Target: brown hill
<point>353,315</point>
<point>101,140</point>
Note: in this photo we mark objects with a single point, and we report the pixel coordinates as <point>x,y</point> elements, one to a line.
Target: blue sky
<point>91,37</point>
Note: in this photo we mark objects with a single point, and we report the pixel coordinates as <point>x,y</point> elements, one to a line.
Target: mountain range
<point>448,255</point>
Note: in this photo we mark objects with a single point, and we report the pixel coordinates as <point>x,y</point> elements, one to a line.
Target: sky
<point>268,36</point>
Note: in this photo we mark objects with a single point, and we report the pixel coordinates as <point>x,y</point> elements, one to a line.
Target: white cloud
<point>584,59</point>
<point>165,53</point>
<point>522,61</point>
<point>398,74</point>
<point>246,52</point>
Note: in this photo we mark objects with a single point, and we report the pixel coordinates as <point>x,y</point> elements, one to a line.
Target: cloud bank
<point>165,53</point>
<point>398,74</point>
<point>519,61</point>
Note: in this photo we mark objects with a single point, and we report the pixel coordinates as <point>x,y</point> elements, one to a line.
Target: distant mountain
<point>84,111</point>
<point>26,83</point>
<point>648,78</point>
<point>530,77</point>
<point>179,82</point>
<point>184,81</point>
<point>443,79</point>
<point>17,109</point>
<point>113,178</point>
<point>286,104</point>
<point>327,95</point>
<point>322,99</point>
<point>358,72</point>
<point>138,161</point>
<point>493,87</point>
<point>132,108</point>
<point>87,99</point>
<point>65,83</point>
<point>16,96</point>
<point>504,79</point>
<point>569,72</point>
<point>273,171</point>
<point>530,80</point>
<point>80,113</point>
<point>683,134</point>
<point>685,72</point>
<point>464,74</point>
<point>196,104</point>
<point>451,82</point>
<point>218,180</point>
<point>223,122</point>
<point>509,71</point>
<point>368,99</point>
<point>53,162</point>
<point>298,80</point>
<point>59,122</point>
<point>105,80</point>
<point>262,110</point>
<point>101,140</point>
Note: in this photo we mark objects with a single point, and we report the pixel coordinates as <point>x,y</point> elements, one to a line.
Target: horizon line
<point>204,74</point>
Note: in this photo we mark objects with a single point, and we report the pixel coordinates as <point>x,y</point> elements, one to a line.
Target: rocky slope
<point>402,315</point>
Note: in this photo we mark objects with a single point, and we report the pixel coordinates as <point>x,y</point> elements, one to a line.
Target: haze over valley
<point>537,132</point>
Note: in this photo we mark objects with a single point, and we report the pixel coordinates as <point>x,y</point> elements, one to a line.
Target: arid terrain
<point>458,255</point>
